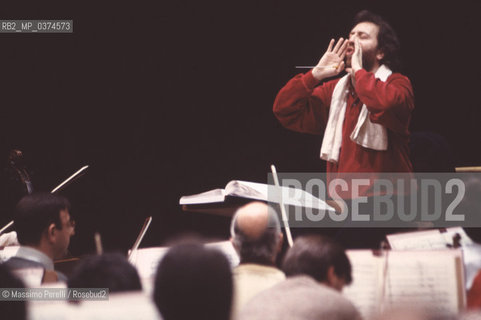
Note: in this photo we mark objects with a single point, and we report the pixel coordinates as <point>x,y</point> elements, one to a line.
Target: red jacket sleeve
<point>474,294</point>
<point>390,102</point>
<point>303,107</point>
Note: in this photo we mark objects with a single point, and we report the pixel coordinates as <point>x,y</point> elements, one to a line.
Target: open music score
<point>433,279</point>
<point>428,239</point>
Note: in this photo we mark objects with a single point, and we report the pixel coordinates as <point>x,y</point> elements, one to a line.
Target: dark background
<point>164,99</point>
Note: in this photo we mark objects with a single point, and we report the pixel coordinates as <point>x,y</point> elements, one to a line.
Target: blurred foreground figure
<point>11,309</point>
<point>193,282</point>
<point>110,270</point>
<point>317,269</point>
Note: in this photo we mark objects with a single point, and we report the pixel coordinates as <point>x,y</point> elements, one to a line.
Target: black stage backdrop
<point>166,98</point>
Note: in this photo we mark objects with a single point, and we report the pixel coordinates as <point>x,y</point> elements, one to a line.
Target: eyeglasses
<point>71,223</point>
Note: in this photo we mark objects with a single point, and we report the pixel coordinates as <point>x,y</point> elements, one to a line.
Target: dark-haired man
<point>109,270</point>
<point>193,282</point>
<point>364,115</point>
<point>317,269</point>
<point>44,228</point>
<point>257,238</point>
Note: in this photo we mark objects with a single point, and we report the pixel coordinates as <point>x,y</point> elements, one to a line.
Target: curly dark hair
<point>388,41</point>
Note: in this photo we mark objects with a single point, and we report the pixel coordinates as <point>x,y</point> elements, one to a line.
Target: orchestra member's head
<point>379,43</point>
<point>43,222</point>
<point>320,258</point>
<point>193,282</point>
<point>109,270</point>
<point>256,234</point>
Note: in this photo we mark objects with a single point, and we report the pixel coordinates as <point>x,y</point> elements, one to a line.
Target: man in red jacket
<point>363,116</point>
<point>370,106</point>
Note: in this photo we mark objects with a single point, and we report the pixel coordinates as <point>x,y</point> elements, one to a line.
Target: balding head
<point>255,232</point>
<point>252,219</point>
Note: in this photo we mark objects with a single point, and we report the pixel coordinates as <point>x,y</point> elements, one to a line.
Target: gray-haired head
<point>256,233</point>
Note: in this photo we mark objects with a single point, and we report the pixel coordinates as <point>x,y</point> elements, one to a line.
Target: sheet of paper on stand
<point>441,239</point>
<point>433,279</point>
<point>120,306</point>
<point>258,191</point>
<point>227,248</point>
<point>364,290</point>
<point>146,260</point>
<point>51,310</point>
<point>429,239</point>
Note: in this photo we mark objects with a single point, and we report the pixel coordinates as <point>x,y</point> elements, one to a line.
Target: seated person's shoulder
<point>21,263</point>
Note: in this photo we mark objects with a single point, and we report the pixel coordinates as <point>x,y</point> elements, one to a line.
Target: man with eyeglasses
<point>44,228</point>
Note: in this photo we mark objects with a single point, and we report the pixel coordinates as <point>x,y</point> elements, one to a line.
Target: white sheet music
<point>131,305</point>
<point>431,279</point>
<point>418,279</point>
<point>364,290</point>
<point>228,250</point>
<point>258,191</point>
<point>146,260</point>
<point>426,240</point>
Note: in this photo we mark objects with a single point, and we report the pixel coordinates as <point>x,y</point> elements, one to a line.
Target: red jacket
<point>303,106</point>
<point>474,294</point>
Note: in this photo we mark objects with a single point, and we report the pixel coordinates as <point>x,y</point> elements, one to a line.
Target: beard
<point>368,59</point>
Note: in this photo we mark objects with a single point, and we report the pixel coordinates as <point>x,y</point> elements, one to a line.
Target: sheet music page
<point>424,279</point>
<point>228,250</point>
<point>51,310</point>
<point>131,305</point>
<point>265,192</point>
<point>419,240</point>
<point>364,291</point>
<point>216,195</point>
<point>427,240</point>
<point>246,189</point>
<point>146,260</point>
<point>120,306</point>
<point>450,232</point>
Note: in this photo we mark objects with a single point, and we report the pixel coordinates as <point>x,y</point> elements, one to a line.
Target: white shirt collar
<point>32,254</point>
